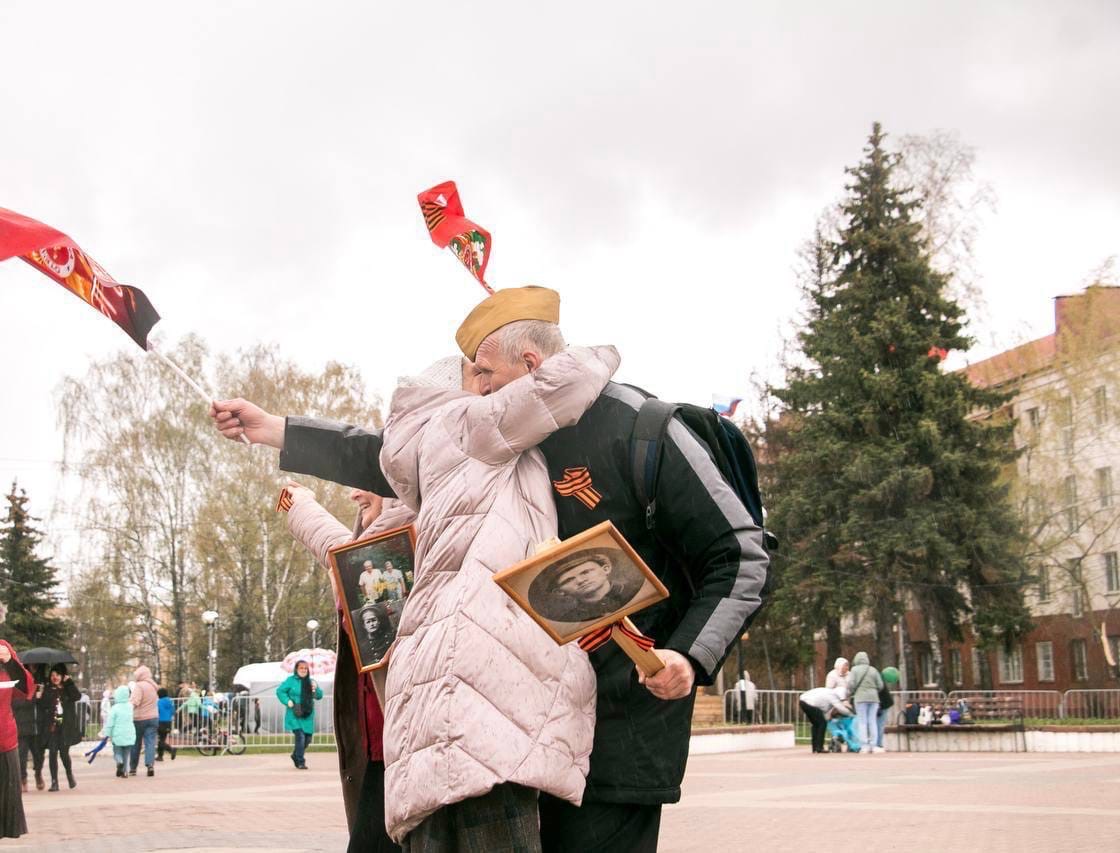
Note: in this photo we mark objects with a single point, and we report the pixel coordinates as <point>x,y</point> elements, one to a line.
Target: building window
<point>1112,572</point>
<point>925,661</point>
<point>1063,416</point>
<point>1043,583</point>
<point>1011,665</point>
<point>1104,486</point>
<point>1069,494</point>
<point>1034,421</point>
<point>1077,594</point>
<point>1100,405</point>
<point>977,680</point>
<point>1080,659</point>
<point>955,667</point>
<point>1044,652</point>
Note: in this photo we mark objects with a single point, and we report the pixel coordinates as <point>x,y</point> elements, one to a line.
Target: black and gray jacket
<point>705,548</point>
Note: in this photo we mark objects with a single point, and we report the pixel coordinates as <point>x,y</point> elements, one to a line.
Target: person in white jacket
<point>483,710</point>
<point>819,705</point>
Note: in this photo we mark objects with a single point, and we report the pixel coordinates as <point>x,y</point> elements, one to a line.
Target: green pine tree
<point>27,581</point>
<point>888,481</point>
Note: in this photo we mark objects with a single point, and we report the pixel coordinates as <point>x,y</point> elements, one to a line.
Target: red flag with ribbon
<point>449,228</point>
<point>56,255</point>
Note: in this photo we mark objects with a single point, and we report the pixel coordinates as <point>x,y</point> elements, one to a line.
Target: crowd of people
<point>487,735</point>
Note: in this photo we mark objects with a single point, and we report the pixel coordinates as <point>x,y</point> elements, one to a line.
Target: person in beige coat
<point>358,721</point>
<point>483,710</point>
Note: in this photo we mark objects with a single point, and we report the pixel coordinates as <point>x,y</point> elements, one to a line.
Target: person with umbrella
<point>57,700</point>
<point>13,823</point>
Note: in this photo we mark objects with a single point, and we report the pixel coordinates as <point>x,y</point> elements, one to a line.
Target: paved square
<point>744,801</point>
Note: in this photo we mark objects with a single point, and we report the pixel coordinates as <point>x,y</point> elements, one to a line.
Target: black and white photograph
<point>587,581</point>
<point>375,576</point>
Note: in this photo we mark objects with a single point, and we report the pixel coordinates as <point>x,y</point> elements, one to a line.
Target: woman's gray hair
<point>539,336</point>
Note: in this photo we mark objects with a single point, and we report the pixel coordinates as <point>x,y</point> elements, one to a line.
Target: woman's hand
<point>5,654</point>
<point>291,704</point>
<point>314,686</point>
<point>299,493</point>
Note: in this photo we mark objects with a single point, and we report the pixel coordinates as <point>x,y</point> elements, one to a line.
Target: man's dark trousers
<point>598,827</point>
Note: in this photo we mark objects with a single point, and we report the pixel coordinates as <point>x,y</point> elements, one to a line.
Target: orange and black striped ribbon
<point>591,641</point>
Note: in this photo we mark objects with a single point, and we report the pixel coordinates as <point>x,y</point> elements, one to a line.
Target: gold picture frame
<point>595,574</point>
<point>374,576</point>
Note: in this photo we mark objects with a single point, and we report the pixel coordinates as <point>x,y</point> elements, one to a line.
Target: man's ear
<point>532,360</point>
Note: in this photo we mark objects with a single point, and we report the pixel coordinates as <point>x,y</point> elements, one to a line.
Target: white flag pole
<point>209,398</point>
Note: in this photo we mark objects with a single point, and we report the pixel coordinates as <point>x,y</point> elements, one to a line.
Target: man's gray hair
<point>538,336</point>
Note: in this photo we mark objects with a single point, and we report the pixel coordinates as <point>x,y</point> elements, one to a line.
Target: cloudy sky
<point>253,166</point>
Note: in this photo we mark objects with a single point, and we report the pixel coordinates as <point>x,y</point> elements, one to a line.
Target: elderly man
<point>703,546</point>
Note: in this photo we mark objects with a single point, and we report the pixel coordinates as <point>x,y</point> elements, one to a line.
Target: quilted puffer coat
<point>477,694</point>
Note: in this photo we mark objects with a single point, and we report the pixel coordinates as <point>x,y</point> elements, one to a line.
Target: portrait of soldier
<point>375,627</point>
<point>586,585</point>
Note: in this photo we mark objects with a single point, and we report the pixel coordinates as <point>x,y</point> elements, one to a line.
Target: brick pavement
<point>769,801</point>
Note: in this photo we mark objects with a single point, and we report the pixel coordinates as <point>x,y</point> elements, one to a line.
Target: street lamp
<point>85,666</point>
<point>210,617</point>
<point>313,627</point>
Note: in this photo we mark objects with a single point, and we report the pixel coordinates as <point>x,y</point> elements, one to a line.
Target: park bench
<point>985,715</point>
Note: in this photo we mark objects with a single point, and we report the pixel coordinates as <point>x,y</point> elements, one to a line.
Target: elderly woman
<point>13,824</point>
<point>358,722</point>
<point>483,710</point>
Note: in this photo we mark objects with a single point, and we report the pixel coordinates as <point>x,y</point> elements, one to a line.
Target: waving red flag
<point>56,255</point>
<point>448,227</point>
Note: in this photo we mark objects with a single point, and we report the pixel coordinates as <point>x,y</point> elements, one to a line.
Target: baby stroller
<point>842,735</point>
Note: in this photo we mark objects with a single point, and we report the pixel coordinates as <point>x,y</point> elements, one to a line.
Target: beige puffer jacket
<point>477,693</point>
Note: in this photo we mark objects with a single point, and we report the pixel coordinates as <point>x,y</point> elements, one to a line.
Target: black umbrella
<point>47,656</point>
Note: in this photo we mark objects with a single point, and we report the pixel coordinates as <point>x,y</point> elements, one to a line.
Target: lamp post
<point>85,666</point>
<point>313,627</point>
<point>210,618</point>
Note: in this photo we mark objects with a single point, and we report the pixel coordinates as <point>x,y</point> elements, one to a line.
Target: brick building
<point>1065,388</point>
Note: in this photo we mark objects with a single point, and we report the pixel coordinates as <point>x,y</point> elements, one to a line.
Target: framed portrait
<point>375,575</point>
<point>590,580</point>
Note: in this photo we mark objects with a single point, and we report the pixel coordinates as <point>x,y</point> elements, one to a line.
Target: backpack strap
<point>645,448</point>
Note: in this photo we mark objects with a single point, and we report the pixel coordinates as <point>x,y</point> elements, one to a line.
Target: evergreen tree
<point>26,581</point>
<point>888,480</point>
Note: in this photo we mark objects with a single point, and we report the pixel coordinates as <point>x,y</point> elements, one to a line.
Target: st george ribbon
<point>57,256</point>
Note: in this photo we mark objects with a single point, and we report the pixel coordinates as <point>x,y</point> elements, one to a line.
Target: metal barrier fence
<point>235,724</point>
<point>781,706</point>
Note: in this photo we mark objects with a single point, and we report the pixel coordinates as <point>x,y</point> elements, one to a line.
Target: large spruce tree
<point>887,479</point>
<point>27,581</point>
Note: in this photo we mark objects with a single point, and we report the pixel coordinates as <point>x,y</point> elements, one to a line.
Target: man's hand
<point>237,417</point>
<point>674,681</point>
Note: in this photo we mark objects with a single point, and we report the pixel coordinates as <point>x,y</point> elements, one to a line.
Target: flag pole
<point>182,374</point>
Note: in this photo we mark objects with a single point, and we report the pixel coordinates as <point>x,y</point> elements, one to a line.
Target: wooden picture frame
<point>374,594</point>
<point>568,580</point>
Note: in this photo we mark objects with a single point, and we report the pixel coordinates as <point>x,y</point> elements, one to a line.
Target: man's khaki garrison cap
<point>504,307</point>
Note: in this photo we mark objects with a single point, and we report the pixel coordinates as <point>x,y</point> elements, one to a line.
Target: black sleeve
<point>706,526</point>
<point>70,691</point>
<point>334,451</point>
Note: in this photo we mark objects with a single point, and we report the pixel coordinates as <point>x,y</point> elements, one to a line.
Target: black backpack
<point>727,445</point>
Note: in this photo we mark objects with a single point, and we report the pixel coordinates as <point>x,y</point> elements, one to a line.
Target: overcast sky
<point>254,166</point>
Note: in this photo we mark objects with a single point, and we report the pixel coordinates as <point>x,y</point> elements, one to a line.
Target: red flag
<point>56,255</point>
<point>443,214</point>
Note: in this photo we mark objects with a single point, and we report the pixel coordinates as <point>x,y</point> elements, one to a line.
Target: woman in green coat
<point>299,693</point>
